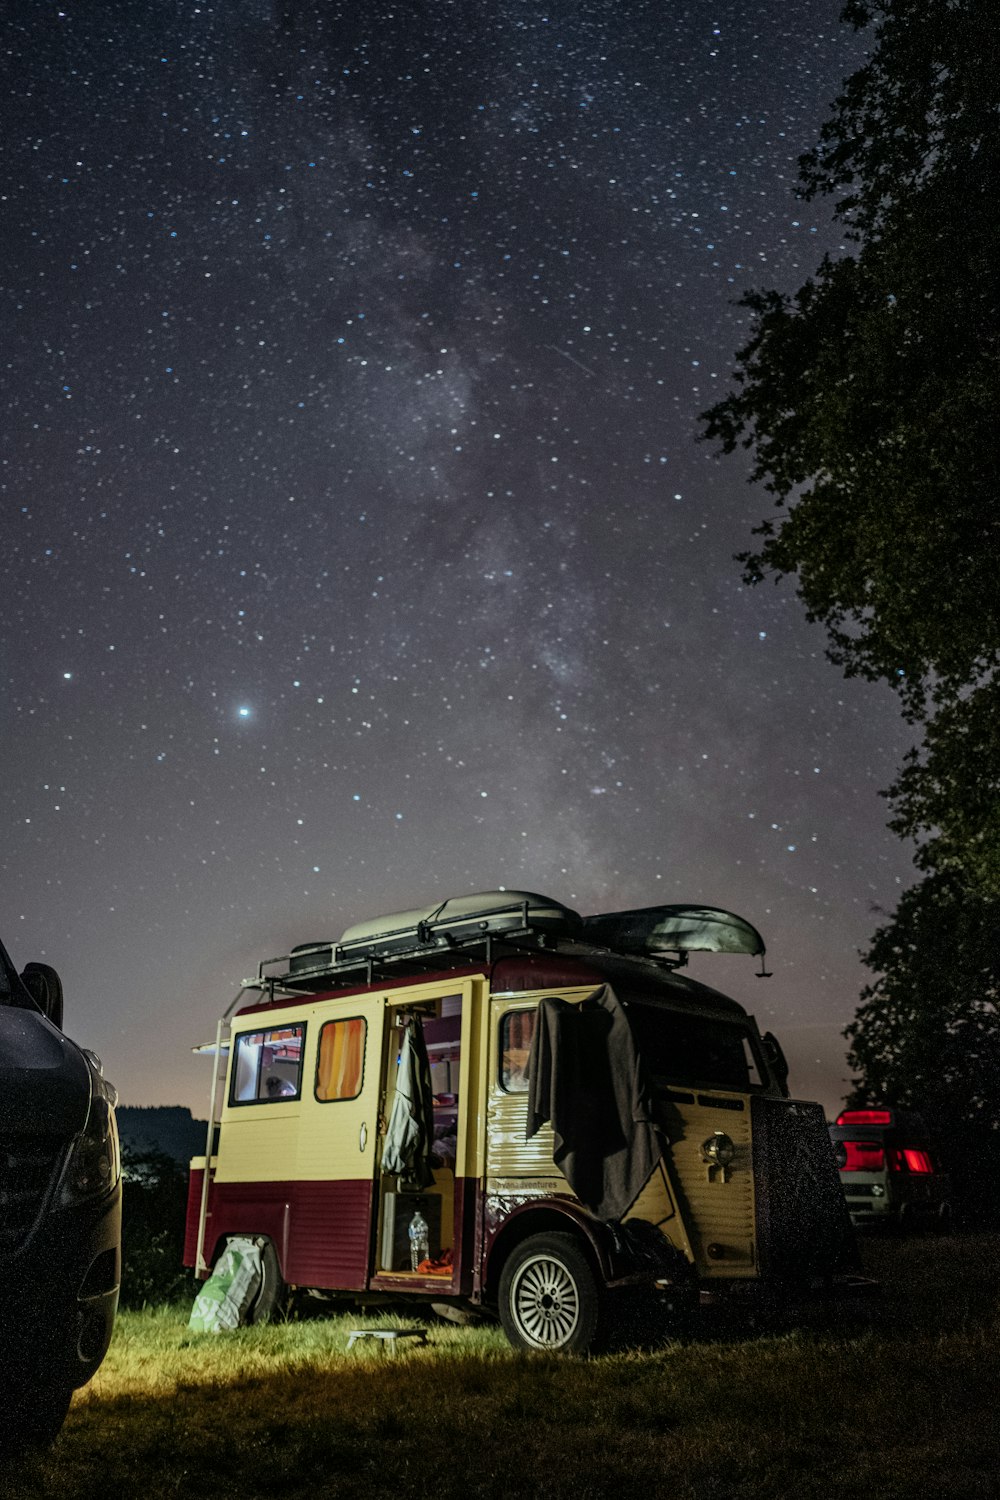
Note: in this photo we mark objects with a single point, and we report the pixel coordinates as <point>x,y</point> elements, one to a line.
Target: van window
<point>517,1027</point>
<point>268,1065</point>
<point>678,1048</point>
<point>340,1064</point>
<point>675,1048</point>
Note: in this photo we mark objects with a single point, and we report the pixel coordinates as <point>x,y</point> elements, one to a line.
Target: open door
<point>416,1239</point>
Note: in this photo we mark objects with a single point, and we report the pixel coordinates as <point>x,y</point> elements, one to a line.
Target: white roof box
<point>655,930</point>
<point>461,917</point>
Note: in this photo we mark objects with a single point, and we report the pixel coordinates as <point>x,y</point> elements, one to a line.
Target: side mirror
<point>776,1060</point>
<point>45,988</point>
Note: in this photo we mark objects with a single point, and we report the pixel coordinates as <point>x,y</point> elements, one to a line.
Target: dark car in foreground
<point>60,1209</point>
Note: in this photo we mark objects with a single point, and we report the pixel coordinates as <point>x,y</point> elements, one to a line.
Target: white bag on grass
<point>226,1296</point>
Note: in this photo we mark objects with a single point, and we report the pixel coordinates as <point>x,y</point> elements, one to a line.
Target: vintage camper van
<point>495,1102</point>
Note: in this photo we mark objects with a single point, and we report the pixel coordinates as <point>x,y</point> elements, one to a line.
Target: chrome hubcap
<point>546,1303</point>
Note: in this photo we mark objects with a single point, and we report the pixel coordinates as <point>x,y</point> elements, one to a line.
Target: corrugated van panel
<point>508,1154</point>
<point>329,1242</point>
<point>195,1182</point>
<point>716,1212</point>
<point>656,1204</point>
<point>320,1229</point>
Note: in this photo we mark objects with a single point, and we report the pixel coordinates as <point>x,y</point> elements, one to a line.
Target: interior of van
<point>406,1248</point>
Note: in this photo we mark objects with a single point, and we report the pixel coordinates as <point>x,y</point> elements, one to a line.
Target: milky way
<point>358,547</point>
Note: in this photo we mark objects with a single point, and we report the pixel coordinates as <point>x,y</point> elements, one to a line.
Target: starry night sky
<point>358,548</point>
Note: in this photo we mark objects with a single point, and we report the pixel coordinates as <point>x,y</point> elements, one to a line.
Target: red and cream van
<point>495,1102</point>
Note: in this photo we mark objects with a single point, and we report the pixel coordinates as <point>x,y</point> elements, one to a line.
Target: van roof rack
<point>427,938</point>
<point>462,929</point>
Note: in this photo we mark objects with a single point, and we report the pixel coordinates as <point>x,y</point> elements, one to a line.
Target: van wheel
<point>271,1301</point>
<point>549,1297</point>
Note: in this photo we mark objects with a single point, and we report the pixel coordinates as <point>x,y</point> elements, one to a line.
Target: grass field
<point>891,1400</point>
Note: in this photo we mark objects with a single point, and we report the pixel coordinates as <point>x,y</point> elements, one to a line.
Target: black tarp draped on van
<point>585,1075</point>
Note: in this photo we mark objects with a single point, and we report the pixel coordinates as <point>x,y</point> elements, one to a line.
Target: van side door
<point>330,1243</point>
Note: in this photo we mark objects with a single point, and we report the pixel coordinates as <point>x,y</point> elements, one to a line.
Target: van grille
<point>27,1166</point>
<point>803,1228</point>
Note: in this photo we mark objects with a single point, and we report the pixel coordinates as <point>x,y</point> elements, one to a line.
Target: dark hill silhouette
<point>167,1128</point>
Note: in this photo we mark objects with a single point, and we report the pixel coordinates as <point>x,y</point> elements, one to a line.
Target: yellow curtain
<point>341,1059</point>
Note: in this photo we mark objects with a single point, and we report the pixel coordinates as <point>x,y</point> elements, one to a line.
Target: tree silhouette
<point>868,401</point>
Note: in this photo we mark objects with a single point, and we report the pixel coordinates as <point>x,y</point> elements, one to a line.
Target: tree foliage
<point>926,1035</point>
<point>154,1203</point>
<point>951,786</point>
<point>868,400</point>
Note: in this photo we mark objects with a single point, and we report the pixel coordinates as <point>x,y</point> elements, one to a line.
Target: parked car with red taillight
<point>889,1168</point>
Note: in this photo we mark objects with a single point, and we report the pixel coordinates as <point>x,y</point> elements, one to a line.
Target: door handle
<point>362,1136</point>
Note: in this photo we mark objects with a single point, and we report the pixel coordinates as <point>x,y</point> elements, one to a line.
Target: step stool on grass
<point>387,1336</point>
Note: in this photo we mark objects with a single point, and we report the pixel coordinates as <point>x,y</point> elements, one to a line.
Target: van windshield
<point>685,1049</point>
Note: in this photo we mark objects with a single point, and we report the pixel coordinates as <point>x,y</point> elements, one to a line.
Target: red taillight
<point>865,1117</point>
<point>863,1156</point>
<point>908,1159</point>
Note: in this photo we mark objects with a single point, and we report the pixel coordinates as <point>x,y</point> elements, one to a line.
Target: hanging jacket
<point>411,1123</point>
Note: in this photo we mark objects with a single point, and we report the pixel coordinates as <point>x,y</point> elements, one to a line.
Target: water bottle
<point>419,1241</point>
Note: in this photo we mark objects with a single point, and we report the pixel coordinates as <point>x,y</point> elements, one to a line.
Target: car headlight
<point>718,1149</point>
<point>94,1163</point>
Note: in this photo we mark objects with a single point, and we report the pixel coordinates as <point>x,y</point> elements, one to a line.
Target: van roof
<point>568,964</point>
<point>479,928</point>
